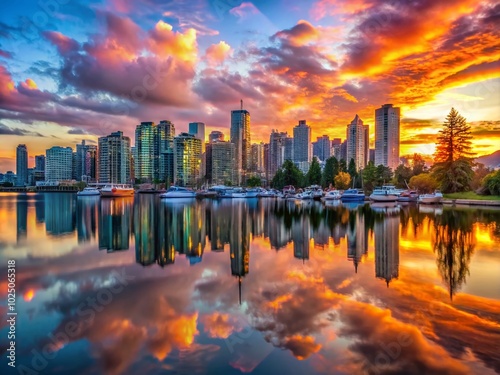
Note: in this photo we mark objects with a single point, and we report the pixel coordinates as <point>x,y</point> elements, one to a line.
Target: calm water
<point>250,286</point>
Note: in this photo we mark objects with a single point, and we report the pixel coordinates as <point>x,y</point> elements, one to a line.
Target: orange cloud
<point>220,325</point>
<point>217,53</point>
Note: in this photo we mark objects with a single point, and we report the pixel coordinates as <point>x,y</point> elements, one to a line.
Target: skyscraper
<point>336,148</point>
<point>59,164</point>
<point>257,157</point>
<point>215,136</point>
<point>387,121</point>
<point>276,152</point>
<point>222,163</point>
<point>357,143</point>
<point>165,138</point>
<point>198,130</point>
<point>114,159</point>
<point>240,136</point>
<point>40,163</point>
<point>146,156</point>
<point>22,165</point>
<point>302,143</point>
<point>86,162</point>
<point>187,159</point>
<point>322,148</point>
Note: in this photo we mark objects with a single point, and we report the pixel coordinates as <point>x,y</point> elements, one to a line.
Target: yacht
<point>253,192</point>
<point>382,195</point>
<point>117,190</point>
<point>178,192</point>
<point>408,196</point>
<point>89,191</point>
<point>308,194</point>
<point>392,190</point>
<point>436,197</point>
<point>353,195</point>
<point>332,195</point>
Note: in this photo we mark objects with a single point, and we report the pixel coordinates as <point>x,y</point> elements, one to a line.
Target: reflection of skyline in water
<point>161,229</point>
<point>302,298</point>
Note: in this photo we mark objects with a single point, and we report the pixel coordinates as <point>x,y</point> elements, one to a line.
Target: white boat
<point>392,190</point>
<point>408,196</point>
<point>353,195</point>
<point>117,190</point>
<point>238,193</point>
<point>253,193</point>
<point>332,195</point>
<point>383,195</point>
<point>434,198</point>
<point>178,192</point>
<point>308,194</point>
<point>88,192</point>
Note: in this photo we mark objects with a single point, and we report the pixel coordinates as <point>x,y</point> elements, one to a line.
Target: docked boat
<point>175,192</point>
<point>308,194</point>
<point>332,195</point>
<point>253,192</point>
<point>353,195</point>
<point>408,196</point>
<point>392,190</point>
<point>383,195</point>
<point>117,190</point>
<point>434,198</point>
<point>88,192</point>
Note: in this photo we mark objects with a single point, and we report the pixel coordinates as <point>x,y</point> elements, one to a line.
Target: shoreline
<point>471,202</point>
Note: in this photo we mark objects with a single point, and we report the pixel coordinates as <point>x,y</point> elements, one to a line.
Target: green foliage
<point>342,181</point>
<point>402,175</point>
<point>330,171</point>
<point>81,185</point>
<point>278,181</point>
<point>6,184</point>
<point>342,166</point>
<point>492,183</point>
<point>418,164</point>
<point>351,169</point>
<point>292,174</point>
<point>313,176</point>
<point>369,175</point>
<point>228,183</point>
<point>480,172</point>
<point>453,157</point>
<point>384,175</point>
<point>424,183</point>
<point>254,181</point>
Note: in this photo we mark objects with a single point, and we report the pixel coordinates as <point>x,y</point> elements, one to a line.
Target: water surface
<point>130,286</point>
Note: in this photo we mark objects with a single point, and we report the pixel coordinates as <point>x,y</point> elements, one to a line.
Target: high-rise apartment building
<point>336,148</point>
<point>40,163</point>
<point>146,157</point>
<point>187,159</point>
<point>387,122</point>
<point>198,130</point>
<point>114,159</point>
<point>59,163</point>
<point>288,142</point>
<point>276,152</point>
<point>86,162</point>
<point>21,165</point>
<point>240,136</point>
<point>322,148</point>
<point>215,136</point>
<point>222,165</point>
<point>257,158</point>
<point>302,143</point>
<point>165,139</point>
<point>357,143</point>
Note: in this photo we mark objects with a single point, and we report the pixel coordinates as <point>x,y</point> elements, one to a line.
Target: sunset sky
<point>73,70</point>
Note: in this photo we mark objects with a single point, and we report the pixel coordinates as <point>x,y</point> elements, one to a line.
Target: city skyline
<point>321,60</point>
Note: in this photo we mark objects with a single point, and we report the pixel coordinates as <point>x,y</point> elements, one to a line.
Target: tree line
<point>453,171</point>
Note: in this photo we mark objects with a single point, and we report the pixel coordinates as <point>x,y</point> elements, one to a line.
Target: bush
<point>424,183</point>
<point>491,183</point>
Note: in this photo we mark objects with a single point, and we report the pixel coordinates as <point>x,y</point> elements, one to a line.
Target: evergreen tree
<point>402,174</point>
<point>453,159</point>
<point>292,175</point>
<point>330,171</point>
<point>254,181</point>
<point>342,166</point>
<point>418,164</point>
<point>313,176</point>
<point>369,176</point>
<point>384,175</point>
<point>278,181</point>
<point>351,169</point>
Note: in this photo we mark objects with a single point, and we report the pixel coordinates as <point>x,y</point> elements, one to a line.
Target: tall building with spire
<point>387,123</point>
<point>22,165</point>
<point>357,143</point>
<point>240,136</point>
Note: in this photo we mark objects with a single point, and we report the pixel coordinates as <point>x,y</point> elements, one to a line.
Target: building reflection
<point>357,244</point>
<point>60,213</point>
<point>40,208</point>
<point>21,218</point>
<point>115,216</point>
<point>301,235</point>
<point>386,229</point>
<point>239,241</point>
<point>87,210</point>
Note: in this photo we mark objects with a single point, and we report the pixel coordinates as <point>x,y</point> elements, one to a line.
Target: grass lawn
<point>472,195</point>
